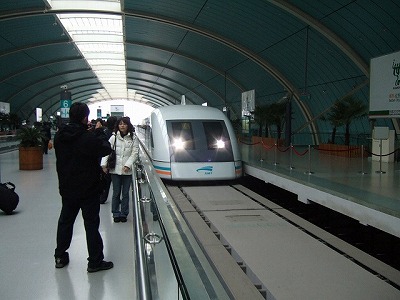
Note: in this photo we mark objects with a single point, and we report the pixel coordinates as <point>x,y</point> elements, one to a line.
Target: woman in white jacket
<point>126,146</point>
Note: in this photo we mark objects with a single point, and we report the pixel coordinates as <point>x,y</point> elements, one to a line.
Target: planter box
<point>30,158</point>
<point>341,150</point>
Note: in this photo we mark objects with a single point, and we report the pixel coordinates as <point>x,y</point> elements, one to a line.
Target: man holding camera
<point>77,152</point>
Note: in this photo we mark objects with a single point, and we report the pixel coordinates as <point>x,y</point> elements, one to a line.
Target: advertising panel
<point>385,86</point>
<point>38,114</point>
<point>248,103</point>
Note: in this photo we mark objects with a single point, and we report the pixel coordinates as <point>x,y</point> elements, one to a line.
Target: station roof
<point>212,51</point>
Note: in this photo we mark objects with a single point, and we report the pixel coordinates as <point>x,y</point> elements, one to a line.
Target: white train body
<point>190,142</point>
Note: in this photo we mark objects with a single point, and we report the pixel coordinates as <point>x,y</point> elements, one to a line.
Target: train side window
<point>151,139</point>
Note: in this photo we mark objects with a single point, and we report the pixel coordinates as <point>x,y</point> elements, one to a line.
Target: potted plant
<point>343,112</point>
<point>30,148</point>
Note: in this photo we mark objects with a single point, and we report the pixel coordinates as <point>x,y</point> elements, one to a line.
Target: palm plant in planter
<point>343,112</point>
<point>30,148</point>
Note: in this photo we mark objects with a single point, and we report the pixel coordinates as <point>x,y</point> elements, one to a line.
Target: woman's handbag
<point>112,157</point>
<point>111,160</point>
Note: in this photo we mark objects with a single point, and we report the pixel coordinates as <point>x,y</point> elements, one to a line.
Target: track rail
<point>366,261</point>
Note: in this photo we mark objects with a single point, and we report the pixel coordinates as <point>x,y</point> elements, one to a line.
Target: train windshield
<point>199,140</point>
<point>182,135</point>
<point>215,135</point>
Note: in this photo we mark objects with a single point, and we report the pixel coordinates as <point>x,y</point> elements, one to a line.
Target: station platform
<point>28,236</point>
<point>28,239</point>
<point>361,188</point>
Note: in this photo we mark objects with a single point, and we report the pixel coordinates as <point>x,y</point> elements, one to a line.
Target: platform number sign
<point>65,106</point>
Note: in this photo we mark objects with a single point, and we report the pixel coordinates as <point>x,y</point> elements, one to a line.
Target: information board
<point>385,86</point>
<point>248,103</point>
<point>117,110</point>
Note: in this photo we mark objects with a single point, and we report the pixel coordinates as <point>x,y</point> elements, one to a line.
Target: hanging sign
<point>64,108</point>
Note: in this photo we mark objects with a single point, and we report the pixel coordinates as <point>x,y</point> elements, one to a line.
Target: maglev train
<point>191,142</point>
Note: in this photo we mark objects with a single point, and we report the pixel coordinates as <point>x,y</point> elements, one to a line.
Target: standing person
<point>46,132</point>
<point>99,123</point>
<point>127,152</point>
<point>77,153</point>
<point>110,125</point>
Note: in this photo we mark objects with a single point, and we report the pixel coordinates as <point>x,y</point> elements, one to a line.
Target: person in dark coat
<point>77,161</point>
<point>110,127</point>
<point>46,132</point>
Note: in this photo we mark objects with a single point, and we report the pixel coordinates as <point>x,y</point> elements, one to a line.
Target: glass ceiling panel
<point>99,37</point>
<point>106,5</point>
<point>97,62</point>
<point>84,25</point>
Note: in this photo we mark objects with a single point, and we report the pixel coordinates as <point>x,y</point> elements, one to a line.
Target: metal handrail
<point>142,277</point>
<point>178,275</point>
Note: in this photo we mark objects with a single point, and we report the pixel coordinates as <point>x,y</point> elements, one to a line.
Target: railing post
<point>362,161</point>
<point>291,157</point>
<point>261,146</point>
<point>380,159</point>
<point>309,161</point>
<point>276,149</point>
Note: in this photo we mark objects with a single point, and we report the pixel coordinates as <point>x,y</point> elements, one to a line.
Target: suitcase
<point>9,199</point>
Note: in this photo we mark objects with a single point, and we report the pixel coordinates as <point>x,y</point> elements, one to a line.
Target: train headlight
<point>220,144</point>
<point>178,144</point>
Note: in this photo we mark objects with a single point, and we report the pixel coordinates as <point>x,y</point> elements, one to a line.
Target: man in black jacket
<point>77,152</point>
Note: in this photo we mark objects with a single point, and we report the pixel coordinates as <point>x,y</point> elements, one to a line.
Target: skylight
<point>99,37</point>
